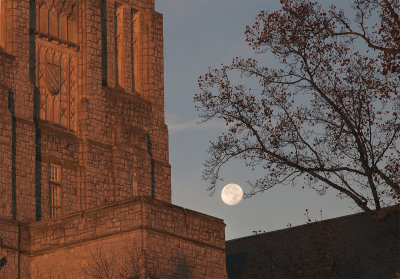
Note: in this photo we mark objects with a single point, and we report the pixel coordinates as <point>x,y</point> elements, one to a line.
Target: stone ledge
<point>54,40</point>
<point>3,52</point>
<point>119,93</point>
<point>139,213</point>
<point>5,140</point>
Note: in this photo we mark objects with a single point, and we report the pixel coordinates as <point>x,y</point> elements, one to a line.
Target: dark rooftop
<point>353,246</point>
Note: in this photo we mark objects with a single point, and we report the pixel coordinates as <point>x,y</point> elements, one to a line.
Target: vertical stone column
<point>8,70</point>
<point>153,90</point>
<point>19,44</point>
<point>6,179</point>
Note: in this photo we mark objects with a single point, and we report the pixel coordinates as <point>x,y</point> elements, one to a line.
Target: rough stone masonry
<point>85,184</point>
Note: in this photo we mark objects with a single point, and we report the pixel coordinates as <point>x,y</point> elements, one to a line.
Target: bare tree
<point>328,116</point>
<point>135,263</point>
<point>3,261</point>
<point>131,263</point>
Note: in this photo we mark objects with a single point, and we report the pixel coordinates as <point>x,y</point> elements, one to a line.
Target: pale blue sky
<point>204,33</point>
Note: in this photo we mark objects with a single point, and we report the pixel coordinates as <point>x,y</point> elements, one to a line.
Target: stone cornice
<point>140,213</point>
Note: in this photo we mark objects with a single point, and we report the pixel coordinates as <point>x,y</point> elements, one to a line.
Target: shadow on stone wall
<point>129,264</point>
<point>182,268</point>
<point>134,263</point>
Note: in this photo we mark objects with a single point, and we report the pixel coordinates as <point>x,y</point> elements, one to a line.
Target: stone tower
<point>84,169</point>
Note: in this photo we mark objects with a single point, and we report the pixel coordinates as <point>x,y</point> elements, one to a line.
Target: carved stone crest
<point>53,78</point>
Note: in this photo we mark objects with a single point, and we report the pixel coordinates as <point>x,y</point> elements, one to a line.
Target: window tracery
<point>57,19</point>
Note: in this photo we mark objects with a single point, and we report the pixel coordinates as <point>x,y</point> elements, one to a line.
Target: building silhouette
<point>85,178</point>
<point>353,246</point>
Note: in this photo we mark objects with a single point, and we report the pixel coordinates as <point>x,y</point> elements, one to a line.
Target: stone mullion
<point>110,44</point>
<point>11,28</point>
<point>57,97</point>
<point>69,97</point>
<point>132,48</point>
<point>138,45</point>
<point>127,50</point>
<point>81,177</point>
<point>144,65</point>
<point>83,105</point>
<point>104,56</point>
<point>115,40</point>
<point>73,79</point>
<point>40,82</point>
<point>65,91</point>
<point>3,17</point>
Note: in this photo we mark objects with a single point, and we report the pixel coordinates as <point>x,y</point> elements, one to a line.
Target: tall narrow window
<point>150,151</point>
<point>2,23</point>
<point>103,42</point>
<point>63,27</point>
<point>135,189</point>
<point>133,48</point>
<point>72,30</point>
<point>54,190</point>
<point>119,45</point>
<point>43,19</point>
<point>53,23</point>
<point>55,201</point>
<point>116,43</point>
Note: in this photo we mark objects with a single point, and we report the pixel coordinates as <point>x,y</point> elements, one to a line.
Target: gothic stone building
<point>85,182</point>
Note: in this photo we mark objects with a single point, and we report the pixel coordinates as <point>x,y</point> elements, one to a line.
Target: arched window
<point>53,23</point>
<point>58,21</point>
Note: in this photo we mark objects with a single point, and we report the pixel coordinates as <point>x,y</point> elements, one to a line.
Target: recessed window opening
<point>2,23</point>
<point>54,190</point>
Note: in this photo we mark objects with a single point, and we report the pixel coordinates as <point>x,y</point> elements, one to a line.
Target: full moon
<point>232,194</point>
